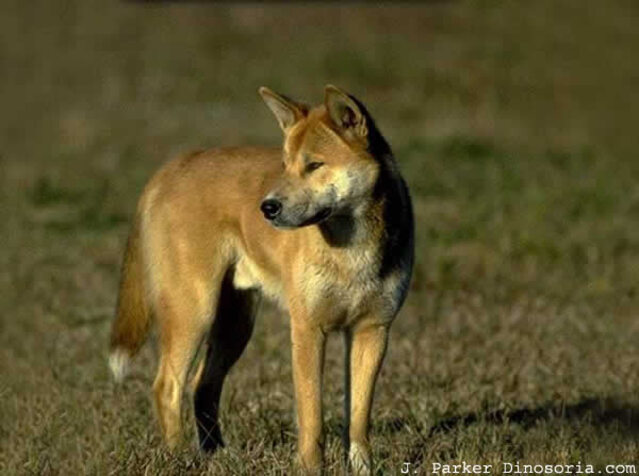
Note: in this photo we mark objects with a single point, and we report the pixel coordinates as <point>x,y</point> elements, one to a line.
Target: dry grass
<point>515,125</point>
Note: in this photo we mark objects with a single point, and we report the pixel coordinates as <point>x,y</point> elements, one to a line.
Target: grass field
<point>515,124</point>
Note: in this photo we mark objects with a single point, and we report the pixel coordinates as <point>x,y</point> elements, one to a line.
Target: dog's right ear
<point>286,111</point>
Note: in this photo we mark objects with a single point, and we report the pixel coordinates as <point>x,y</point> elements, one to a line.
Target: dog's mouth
<point>283,223</point>
<point>319,217</point>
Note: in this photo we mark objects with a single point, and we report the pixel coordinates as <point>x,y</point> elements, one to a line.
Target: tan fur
<point>201,246</point>
<point>129,329</point>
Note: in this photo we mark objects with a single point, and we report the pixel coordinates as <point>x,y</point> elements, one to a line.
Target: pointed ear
<point>345,112</point>
<point>286,111</point>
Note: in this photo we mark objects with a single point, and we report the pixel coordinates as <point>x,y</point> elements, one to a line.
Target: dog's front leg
<point>308,342</point>
<point>367,349</point>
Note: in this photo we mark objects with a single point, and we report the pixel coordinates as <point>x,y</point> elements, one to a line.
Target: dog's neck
<point>349,227</point>
<point>368,223</point>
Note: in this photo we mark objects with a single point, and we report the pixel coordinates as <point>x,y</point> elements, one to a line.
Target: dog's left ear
<point>345,112</point>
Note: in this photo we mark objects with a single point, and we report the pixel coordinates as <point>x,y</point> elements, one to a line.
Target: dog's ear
<point>345,113</point>
<point>286,111</point>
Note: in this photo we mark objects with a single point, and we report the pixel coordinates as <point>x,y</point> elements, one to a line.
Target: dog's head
<point>327,167</point>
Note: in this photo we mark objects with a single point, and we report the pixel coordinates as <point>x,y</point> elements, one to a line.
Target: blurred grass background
<point>515,124</point>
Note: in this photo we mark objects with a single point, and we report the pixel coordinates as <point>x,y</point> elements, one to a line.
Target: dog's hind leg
<point>184,316</point>
<point>229,335</point>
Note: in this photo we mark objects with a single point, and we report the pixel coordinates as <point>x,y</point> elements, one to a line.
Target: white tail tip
<point>119,364</point>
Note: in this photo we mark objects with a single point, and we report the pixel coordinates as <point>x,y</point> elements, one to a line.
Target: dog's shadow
<point>595,412</point>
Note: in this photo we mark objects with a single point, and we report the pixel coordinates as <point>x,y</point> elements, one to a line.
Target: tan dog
<point>324,227</point>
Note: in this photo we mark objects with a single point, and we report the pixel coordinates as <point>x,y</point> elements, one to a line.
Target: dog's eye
<point>314,166</point>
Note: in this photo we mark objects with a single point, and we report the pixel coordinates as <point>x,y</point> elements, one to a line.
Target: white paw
<point>360,459</point>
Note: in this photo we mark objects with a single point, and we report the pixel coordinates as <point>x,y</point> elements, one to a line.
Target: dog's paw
<point>360,459</point>
<point>309,465</point>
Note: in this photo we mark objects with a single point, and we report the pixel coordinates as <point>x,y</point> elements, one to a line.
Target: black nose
<point>271,208</point>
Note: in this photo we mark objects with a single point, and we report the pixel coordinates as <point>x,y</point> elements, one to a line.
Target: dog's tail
<point>132,321</point>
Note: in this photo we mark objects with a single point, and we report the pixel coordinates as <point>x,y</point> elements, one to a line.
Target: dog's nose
<point>271,208</point>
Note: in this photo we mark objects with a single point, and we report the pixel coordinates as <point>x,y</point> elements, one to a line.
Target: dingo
<point>324,227</point>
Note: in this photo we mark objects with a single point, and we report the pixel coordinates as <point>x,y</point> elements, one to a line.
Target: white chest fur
<point>336,285</point>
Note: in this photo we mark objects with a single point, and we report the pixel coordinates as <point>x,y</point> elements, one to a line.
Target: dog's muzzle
<point>271,208</point>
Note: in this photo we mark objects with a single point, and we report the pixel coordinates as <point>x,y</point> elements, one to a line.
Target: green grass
<point>515,125</point>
